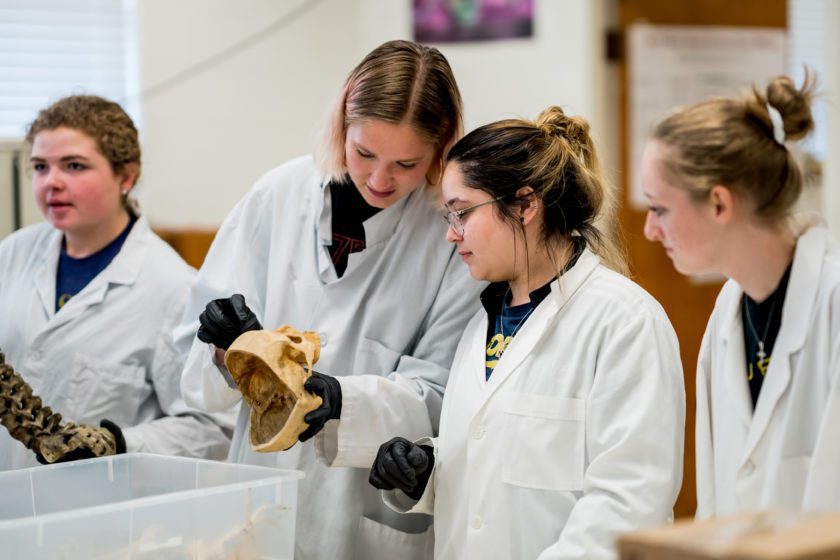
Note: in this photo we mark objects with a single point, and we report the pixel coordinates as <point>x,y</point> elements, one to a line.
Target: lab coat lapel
<point>124,269</point>
<point>799,300</point>
<point>326,270</point>
<point>735,362</point>
<point>477,353</point>
<point>523,344</point>
<point>47,269</point>
<point>533,330</point>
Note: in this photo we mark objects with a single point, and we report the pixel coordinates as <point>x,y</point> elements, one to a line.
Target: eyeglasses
<point>453,217</point>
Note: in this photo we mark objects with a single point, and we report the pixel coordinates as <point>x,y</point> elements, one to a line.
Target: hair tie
<point>778,124</point>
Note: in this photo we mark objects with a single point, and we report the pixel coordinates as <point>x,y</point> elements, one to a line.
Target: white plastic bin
<point>142,506</point>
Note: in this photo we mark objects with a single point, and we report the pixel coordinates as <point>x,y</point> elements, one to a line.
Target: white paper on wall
<point>671,66</point>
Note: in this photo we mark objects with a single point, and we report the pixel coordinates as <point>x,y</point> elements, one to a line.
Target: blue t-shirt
<point>503,321</point>
<point>508,322</point>
<point>74,274</point>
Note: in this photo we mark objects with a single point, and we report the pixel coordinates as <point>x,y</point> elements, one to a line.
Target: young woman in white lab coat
<point>562,424</point>
<point>350,245</point>
<point>89,298</point>
<point>722,182</point>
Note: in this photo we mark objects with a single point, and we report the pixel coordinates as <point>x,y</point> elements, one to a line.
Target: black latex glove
<point>401,464</point>
<point>223,320</point>
<point>85,453</point>
<point>328,388</point>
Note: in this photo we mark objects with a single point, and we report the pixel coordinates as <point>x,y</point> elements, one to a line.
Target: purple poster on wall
<point>444,21</point>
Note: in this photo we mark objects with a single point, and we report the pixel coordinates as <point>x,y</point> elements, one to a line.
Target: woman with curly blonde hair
<point>90,297</point>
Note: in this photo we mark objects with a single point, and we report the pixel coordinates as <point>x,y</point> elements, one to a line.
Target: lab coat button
<point>36,355</point>
<point>478,433</point>
<point>749,467</point>
<point>323,338</point>
<point>476,522</point>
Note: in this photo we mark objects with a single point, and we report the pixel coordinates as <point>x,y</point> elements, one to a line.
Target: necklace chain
<point>502,317</point>
<point>761,354</point>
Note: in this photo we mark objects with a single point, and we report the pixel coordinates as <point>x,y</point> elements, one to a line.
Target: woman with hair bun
<point>562,423</point>
<point>722,183</point>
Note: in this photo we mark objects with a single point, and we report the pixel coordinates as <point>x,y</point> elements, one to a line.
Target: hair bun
<point>794,105</point>
<point>554,122</point>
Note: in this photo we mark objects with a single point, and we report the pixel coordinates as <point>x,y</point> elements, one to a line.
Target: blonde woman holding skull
<point>349,245</point>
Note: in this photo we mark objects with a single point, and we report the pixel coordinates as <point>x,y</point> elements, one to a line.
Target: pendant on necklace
<point>761,354</point>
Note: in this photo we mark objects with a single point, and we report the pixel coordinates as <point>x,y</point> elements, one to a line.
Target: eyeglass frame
<point>455,215</point>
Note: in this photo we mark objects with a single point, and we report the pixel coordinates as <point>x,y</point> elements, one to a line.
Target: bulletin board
<point>674,65</point>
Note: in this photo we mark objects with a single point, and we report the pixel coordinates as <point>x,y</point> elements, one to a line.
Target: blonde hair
<point>398,82</point>
<point>732,142</point>
<point>556,157</point>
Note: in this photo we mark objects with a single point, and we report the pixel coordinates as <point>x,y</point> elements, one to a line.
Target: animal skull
<point>268,368</point>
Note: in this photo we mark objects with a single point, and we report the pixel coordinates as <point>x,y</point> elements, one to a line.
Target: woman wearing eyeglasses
<point>722,183</point>
<point>562,424</point>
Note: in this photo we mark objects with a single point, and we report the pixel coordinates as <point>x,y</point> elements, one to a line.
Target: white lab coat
<point>389,327</point>
<point>576,437</point>
<point>109,352</point>
<point>787,452</point>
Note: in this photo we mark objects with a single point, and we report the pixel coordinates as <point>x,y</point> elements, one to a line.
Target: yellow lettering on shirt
<point>495,348</point>
<point>762,365</point>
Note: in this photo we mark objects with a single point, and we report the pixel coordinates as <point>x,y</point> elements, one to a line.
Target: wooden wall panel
<point>688,304</point>
<point>191,244</point>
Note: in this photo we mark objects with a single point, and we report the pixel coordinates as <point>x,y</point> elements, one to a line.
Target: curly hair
<point>103,120</point>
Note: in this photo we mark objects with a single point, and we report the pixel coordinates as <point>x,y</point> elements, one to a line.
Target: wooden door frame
<point>688,304</point>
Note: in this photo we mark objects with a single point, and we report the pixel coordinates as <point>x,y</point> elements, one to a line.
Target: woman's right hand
<point>401,464</point>
<point>223,320</point>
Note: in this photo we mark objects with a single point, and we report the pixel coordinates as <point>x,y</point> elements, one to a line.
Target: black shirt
<point>761,322</point>
<point>349,211</point>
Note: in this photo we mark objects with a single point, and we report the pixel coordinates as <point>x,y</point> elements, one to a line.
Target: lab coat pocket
<point>377,359</point>
<point>379,542</point>
<point>100,389</point>
<point>793,474</point>
<point>544,442</point>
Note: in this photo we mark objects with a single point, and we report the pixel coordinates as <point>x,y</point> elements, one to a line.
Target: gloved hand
<point>403,465</point>
<point>85,453</point>
<point>329,389</point>
<point>223,320</point>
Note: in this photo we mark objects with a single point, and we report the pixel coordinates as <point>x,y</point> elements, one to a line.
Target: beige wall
<point>206,140</point>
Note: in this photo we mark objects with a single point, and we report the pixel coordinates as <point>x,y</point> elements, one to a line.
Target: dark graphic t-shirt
<point>762,322</point>
<point>349,211</point>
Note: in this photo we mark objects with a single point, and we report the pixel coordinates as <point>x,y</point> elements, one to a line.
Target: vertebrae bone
<point>39,428</point>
